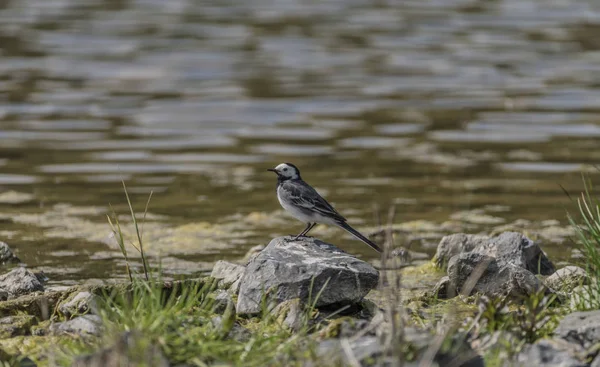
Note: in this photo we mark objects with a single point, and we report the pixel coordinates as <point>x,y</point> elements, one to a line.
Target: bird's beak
<point>273,170</point>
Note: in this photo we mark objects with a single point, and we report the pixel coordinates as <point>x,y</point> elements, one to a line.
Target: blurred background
<point>466,115</point>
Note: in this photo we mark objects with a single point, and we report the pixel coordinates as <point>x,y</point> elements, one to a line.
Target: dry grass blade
<point>120,238</point>
<point>473,278</point>
<point>137,231</point>
<point>350,357</point>
<point>146,212</point>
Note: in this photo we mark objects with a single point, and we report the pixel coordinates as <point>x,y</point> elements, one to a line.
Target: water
<point>466,115</point>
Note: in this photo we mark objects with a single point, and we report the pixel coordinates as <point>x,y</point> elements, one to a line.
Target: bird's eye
<point>285,169</point>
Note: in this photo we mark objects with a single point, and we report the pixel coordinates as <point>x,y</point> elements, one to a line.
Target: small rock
<point>368,309</point>
<point>222,298</point>
<point>232,331</point>
<point>291,314</point>
<point>582,328</point>
<point>473,272</point>
<point>287,269</point>
<point>227,273</point>
<point>582,297</point>
<point>81,303</point>
<point>6,254</point>
<point>81,325</point>
<point>456,244</point>
<point>41,276</point>
<point>442,289</point>
<point>127,351</point>
<point>12,326</point>
<point>18,282</point>
<point>550,353</point>
<point>516,249</point>
<point>566,279</point>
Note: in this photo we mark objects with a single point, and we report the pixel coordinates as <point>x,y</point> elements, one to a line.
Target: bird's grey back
<point>302,194</point>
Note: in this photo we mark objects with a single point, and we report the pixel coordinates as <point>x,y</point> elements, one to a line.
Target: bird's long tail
<point>358,235</point>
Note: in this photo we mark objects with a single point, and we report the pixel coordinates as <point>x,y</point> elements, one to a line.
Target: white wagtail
<point>305,204</point>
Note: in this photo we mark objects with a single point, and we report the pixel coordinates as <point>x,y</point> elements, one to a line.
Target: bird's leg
<point>308,228</point>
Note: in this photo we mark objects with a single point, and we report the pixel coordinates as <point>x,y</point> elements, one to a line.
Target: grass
<point>120,237</point>
<point>587,229</point>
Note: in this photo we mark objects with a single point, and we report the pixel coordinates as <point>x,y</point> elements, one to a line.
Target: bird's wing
<point>303,195</point>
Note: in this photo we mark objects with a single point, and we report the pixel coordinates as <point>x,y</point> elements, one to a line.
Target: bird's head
<point>286,171</point>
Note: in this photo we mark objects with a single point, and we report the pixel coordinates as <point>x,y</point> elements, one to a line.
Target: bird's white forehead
<point>282,166</point>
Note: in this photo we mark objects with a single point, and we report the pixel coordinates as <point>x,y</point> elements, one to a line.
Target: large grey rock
<point>510,247</point>
<point>582,328</point>
<point>566,279</point>
<point>455,244</point>
<point>227,273</point>
<point>6,254</point>
<point>81,303</point>
<point>474,272</point>
<point>550,353</point>
<point>82,325</point>
<point>516,249</point>
<point>18,282</point>
<point>287,269</point>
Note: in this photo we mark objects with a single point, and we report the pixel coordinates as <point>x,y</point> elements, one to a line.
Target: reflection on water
<point>440,106</point>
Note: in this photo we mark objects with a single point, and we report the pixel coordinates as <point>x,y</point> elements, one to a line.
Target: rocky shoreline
<point>519,308</point>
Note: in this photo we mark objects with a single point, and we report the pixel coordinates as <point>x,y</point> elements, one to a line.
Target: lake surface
<point>465,115</point>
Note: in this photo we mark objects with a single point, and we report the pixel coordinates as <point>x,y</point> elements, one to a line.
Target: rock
<point>12,326</point>
<point>456,244</point>
<point>6,254</point>
<point>227,273</point>
<point>291,314</point>
<point>81,325</point>
<point>229,329</point>
<point>510,247</point>
<point>583,297</point>
<point>516,249</point>
<point>442,289</point>
<point>287,269</point>
<point>127,351</point>
<point>582,328</point>
<point>222,299</point>
<point>550,353</point>
<point>18,282</point>
<point>81,303</point>
<point>566,279</point>
<point>473,272</point>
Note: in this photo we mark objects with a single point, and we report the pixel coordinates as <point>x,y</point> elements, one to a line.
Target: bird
<point>304,203</point>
